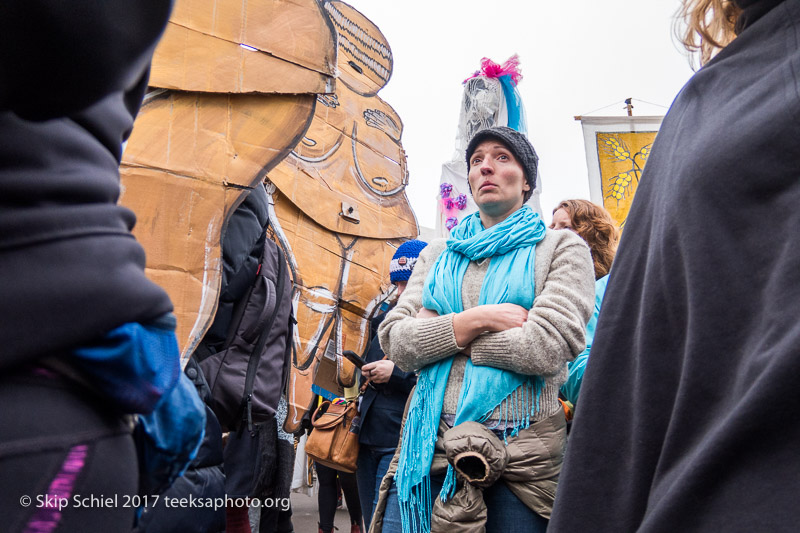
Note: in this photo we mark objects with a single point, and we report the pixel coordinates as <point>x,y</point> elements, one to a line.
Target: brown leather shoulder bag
<point>334,440</point>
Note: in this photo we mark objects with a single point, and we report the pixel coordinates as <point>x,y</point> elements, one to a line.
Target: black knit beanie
<point>519,145</point>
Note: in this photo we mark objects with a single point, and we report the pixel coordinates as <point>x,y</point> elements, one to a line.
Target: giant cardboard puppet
<point>243,91</point>
<point>233,90</point>
<point>340,210</point>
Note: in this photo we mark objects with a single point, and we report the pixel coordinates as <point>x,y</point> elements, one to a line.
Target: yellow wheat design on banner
<point>621,185</point>
<point>622,159</point>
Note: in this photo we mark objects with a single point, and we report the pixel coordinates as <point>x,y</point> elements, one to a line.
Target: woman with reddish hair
<point>594,225</point>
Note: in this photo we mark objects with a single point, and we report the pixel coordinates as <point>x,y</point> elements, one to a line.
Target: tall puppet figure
<point>340,210</point>
<point>491,98</point>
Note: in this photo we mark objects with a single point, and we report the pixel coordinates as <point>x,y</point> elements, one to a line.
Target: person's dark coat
<point>689,417</point>
<point>71,83</point>
<point>382,404</point>
<point>242,243</point>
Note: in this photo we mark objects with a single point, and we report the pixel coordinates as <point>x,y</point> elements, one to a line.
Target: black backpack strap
<point>287,361</point>
<point>252,364</point>
<point>202,351</point>
<point>236,318</point>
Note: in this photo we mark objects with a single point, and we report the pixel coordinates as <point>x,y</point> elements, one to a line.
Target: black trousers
<point>327,495</point>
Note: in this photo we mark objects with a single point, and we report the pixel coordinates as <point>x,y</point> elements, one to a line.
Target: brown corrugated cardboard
<point>257,46</point>
<point>186,166</point>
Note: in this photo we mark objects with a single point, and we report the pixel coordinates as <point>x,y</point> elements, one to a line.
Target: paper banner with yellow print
<point>617,149</point>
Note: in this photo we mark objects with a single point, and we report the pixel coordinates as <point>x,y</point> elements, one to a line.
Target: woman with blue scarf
<point>489,319</point>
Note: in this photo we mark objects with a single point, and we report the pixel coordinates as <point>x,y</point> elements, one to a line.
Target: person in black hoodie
<point>77,311</point>
<point>690,416</point>
<point>385,397</point>
<point>258,465</point>
<point>262,462</point>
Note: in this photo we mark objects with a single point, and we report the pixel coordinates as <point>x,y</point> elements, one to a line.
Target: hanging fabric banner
<point>617,149</point>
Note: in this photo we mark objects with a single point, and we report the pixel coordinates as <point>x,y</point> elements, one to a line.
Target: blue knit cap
<point>404,260</point>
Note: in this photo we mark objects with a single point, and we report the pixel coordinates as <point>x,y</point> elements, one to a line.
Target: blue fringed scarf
<point>509,279</point>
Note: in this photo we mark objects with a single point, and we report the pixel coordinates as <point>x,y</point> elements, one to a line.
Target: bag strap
<point>202,351</point>
<point>255,356</point>
<point>333,420</point>
<point>236,317</point>
<point>288,355</point>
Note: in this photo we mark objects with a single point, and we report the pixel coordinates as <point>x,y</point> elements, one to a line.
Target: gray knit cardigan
<point>553,334</point>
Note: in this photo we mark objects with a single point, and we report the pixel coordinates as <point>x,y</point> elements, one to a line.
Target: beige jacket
<point>553,335</point>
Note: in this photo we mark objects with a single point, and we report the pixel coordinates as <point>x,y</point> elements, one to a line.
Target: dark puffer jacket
<point>242,243</point>
<point>203,479</point>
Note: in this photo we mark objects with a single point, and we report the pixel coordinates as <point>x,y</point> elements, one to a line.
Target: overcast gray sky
<point>576,56</point>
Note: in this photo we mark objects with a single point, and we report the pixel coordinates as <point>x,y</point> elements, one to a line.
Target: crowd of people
<point>496,396</point>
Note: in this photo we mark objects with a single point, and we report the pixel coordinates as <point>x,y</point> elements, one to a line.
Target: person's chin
<point>495,207</point>
<point>493,203</point>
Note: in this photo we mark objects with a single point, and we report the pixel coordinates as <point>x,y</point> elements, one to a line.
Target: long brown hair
<point>709,26</point>
<point>595,226</point>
